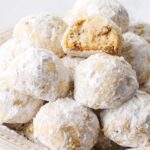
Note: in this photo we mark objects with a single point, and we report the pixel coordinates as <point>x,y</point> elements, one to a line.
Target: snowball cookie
<point>137,52</point>
<point>91,35</point>
<point>42,31</point>
<point>141,29</point>
<point>129,125</point>
<point>39,73</point>
<point>71,63</point>
<point>65,124</point>
<point>17,107</point>
<point>104,81</point>
<point>111,9</point>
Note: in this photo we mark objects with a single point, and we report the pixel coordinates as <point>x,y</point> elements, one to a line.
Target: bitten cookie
<point>71,63</point>
<point>65,124</point>
<point>111,9</point>
<point>141,29</point>
<point>129,125</point>
<point>104,81</point>
<point>91,35</point>
<point>41,31</point>
<point>16,107</point>
<point>39,73</point>
<point>137,52</point>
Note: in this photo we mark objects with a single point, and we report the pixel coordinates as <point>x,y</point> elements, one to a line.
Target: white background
<point>12,10</point>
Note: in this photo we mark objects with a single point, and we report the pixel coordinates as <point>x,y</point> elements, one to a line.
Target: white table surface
<point>12,10</point>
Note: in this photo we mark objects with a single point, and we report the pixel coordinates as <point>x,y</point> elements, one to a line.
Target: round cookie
<point>111,9</point>
<point>41,31</point>
<point>129,125</point>
<point>39,73</point>
<point>91,35</point>
<point>65,124</point>
<point>137,52</point>
<point>141,29</point>
<point>71,63</point>
<point>103,81</point>
<point>16,107</point>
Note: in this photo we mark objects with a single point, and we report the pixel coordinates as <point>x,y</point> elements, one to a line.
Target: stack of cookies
<point>81,82</point>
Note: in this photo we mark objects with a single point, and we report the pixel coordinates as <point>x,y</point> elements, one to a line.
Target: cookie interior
<point>93,33</point>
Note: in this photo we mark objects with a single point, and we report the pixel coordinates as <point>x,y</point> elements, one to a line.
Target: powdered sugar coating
<point>129,125</point>
<point>6,54</point>
<point>104,81</point>
<point>16,107</point>
<point>141,29</point>
<point>65,124</point>
<point>39,73</point>
<point>6,48</point>
<point>137,52</point>
<point>71,63</point>
<point>43,30</point>
<point>9,51</point>
<point>108,8</point>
